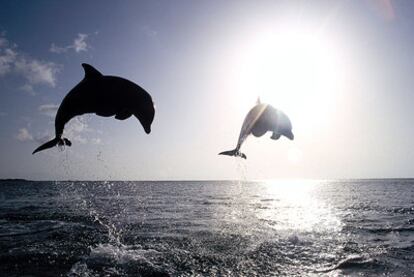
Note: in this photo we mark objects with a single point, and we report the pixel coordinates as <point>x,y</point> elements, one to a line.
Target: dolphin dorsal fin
<point>91,72</point>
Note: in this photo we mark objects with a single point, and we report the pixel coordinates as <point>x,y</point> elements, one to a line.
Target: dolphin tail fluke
<point>234,152</point>
<point>52,143</point>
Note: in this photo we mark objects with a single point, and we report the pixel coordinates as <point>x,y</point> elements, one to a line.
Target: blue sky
<point>341,70</point>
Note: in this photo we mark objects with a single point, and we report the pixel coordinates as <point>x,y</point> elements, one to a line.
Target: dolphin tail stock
<point>234,152</point>
<point>52,143</point>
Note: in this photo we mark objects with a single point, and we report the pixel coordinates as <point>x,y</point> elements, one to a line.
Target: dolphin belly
<point>105,113</point>
<point>123,114</point>
<point>259,130</point>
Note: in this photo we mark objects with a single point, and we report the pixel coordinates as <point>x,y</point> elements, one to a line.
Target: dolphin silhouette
<point>260,119</point>
<point>105,96</point>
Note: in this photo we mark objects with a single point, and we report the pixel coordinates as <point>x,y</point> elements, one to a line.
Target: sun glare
<point>297,209</point>
<point>295,71</point>
<point>294,155</point>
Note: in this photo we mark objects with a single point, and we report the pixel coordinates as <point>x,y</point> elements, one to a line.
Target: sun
<point>294,70</point>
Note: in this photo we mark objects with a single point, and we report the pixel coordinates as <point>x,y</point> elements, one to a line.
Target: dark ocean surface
<point>222,228</point>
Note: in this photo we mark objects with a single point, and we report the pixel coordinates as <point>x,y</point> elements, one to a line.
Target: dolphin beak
<point>290,135</point>
<point>147,127</point>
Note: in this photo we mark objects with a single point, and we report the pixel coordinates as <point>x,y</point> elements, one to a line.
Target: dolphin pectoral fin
<point>275,136</point>
<point>234,152</point>
<point>290,135</point>
<point>122,115</point>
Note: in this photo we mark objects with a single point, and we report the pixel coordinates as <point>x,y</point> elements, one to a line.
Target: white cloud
<point>7,58</point>
<point>56,49</point>
<point>79,44</point>
<point>37,72</point>
<point>78,130</point>
<point>24,135</point>
<point>48,109</point>
<point>33,70</point>
<point>42,138</point>
<point>74,129</point>
<point>76,125</point>
<point>28,88</point>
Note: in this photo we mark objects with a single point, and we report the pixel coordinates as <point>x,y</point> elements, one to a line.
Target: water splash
<point>86,198</point>
<point>241,166</point>
<point>100,159</point>
<point>114,234</point>
<point>117,261</point>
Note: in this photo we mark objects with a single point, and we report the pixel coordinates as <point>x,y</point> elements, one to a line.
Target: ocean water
<point>220,228</point>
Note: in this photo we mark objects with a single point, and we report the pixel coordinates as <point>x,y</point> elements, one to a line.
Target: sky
<point>341,71</point>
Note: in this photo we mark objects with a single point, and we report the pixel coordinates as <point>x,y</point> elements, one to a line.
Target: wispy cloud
<point>36,72</point>
<point>75,128</point>
<point>42,137</point>
<point>78,130</point>
<point>96,141</point>
<point>48,109</point>
<point>7,58</point>
<point>28,88</point>
<point>24,135</point>
<point>148,31</point>
<point>79,44</point>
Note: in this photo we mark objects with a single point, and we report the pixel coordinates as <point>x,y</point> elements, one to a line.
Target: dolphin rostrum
<point>104,96</point>
<point>260,119</point>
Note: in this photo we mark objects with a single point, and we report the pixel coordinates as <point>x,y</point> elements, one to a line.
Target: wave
<point>45,226</point>
<point>118,260</point>
<point>353,261</point>
<point>389,230</point>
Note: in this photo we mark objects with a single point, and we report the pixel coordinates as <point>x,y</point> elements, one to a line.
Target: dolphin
<point>260,119</point>
<point>105,96</point>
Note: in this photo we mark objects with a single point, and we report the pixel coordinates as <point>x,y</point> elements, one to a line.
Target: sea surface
<point>209,228</point>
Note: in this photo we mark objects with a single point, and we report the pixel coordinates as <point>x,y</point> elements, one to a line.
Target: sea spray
<point>64,162</point>
<point>88,198</point>
<point>102,162</point>
<point>241,165</point>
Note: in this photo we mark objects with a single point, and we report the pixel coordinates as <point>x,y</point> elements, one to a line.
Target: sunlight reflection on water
<point>293,205</point>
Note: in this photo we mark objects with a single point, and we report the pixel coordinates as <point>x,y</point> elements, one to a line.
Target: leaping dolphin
<point>104,96</point>
<point>260,119</point>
